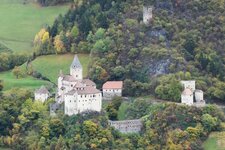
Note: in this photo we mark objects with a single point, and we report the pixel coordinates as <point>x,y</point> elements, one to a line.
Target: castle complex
<point>81,95</point>
<point>78,94</point>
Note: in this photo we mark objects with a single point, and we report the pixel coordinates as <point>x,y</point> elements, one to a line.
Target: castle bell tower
<point>76,69</point>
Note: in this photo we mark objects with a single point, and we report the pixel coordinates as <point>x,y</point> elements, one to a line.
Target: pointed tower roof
<point>76,63</point>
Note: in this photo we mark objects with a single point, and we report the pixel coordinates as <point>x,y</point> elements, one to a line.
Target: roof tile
<point>113,85</point>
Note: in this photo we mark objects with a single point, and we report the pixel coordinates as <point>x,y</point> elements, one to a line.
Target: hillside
<point>10,81</point>
<point>48,66</point>
<point>184,40</point>
<point>21,20</point>
<point>55,63</point>
<point>216,140</point>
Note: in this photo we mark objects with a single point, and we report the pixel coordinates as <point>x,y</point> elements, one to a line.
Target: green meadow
<point>10,81</point>
<point>50,65</point>
<point>215,141</point>
<point>19,22</point>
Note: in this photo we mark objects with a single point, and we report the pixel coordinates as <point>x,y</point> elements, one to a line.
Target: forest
<point>27,125</point>
<point>183,41</point>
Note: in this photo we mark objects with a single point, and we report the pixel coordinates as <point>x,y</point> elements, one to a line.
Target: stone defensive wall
<point>127,126</point>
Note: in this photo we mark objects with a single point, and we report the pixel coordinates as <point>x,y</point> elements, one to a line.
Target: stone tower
<point>76,69</point>
<point>147,15</point>
<point>60,78</point>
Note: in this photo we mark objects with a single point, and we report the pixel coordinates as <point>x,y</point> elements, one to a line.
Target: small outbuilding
<point>187,97</point>
<point>111,89</point>
<point>41,94</point>
<point>199,95</point>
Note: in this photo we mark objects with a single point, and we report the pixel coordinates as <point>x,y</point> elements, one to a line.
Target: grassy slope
<point>19,23</point>
<point>10,81</point>
<point>49,66</point>
<point>216,141</point>
<point>122,111</point>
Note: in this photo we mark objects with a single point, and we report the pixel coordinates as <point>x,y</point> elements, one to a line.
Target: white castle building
<point>78,94</point>
<point>190,94</point>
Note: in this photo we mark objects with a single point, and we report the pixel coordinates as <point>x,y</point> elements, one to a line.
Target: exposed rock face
<point>159,67</point>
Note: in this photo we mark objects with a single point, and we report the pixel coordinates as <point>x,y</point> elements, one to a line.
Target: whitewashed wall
<point>189,84</point>
<point>75,104</point>
<point>187,99</point>
<point>76,73</point>
<point>41,97</point>
<point>110,93</point>
<point>70,104</point>
<point>199,95</point>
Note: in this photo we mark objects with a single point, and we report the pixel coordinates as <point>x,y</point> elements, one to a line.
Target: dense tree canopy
<point>183,36</point>
<point>185,40</point>
<point>26,124</point>
<point>1,85</point>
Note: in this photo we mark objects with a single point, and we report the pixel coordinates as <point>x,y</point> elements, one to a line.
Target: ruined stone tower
<point>147,14</point>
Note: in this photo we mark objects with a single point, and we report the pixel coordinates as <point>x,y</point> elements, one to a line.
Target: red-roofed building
<point>111,89</point>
